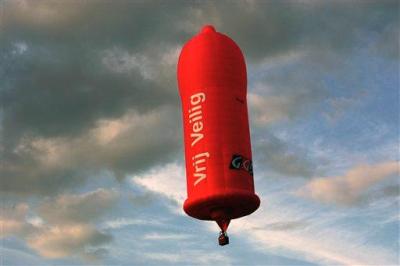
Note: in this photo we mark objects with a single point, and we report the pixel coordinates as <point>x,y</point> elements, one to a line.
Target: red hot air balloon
<point>213,87</point>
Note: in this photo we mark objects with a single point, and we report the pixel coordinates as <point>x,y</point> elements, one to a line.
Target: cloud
<point>67,240</point>
<point>386,44</point>
<point>269,109</point>
<point>340,105</point>
<point>275,97</point>
<point>16,256</point>
<point>282,158</point>
<point>64,226</point>
<point>286,226</point>
<point>315,245</point>
<point>89,87</point>
<point>187,257</point>
<point>43,14</point>
<point>162,237</point>
<point>126,144</point>
<point>281,226</point>
<point>160,256</point>
<point>142,200</point>
<point>69,225</point>
<point>82,208</point>
<point>66,66</point>
<point>167,180</point>
<point>348,188</point>
<point>151,66</point>
<point>62,93</point>
<point>13,220</point>
<point>124,222</point>
<point>267,29</point>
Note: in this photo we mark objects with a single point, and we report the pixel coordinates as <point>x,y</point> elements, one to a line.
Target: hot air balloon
<point>212,84</point>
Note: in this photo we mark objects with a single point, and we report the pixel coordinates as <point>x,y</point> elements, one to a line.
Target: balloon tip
<point>207,29</point>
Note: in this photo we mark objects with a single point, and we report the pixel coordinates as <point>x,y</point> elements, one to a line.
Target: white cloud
<point>35,221</point>
<point>168,180</point>
<point>13,220</point>
<point>269,109</point>
<point>271,228</point>
<point>162,256</point>
<point>123,222</point>
<point>67,225</point>
<point>165,236</point>
<point>63,226</point>
<point>66,240</point>
<point>348,188</point>
<point>317,242</point>
<point>281,97</point>
<point>191,257</point>
<point>20,48</point>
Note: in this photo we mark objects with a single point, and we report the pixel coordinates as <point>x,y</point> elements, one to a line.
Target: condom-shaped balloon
<point>213,88</point>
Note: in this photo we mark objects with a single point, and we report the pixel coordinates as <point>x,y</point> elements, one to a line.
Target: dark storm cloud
<point>64,97</point>
<point>265,28</point>
<point>280,157</point>
<point>124,145</point>
<point>66,67</point>
<point>57,86</point>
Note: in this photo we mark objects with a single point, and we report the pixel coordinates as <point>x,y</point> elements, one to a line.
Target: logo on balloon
<point>240,162</point>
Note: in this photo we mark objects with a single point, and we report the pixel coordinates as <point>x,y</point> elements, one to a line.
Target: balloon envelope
<point>212,84</point>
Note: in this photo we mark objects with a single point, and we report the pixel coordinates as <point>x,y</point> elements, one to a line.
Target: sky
<point>91,147</point>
